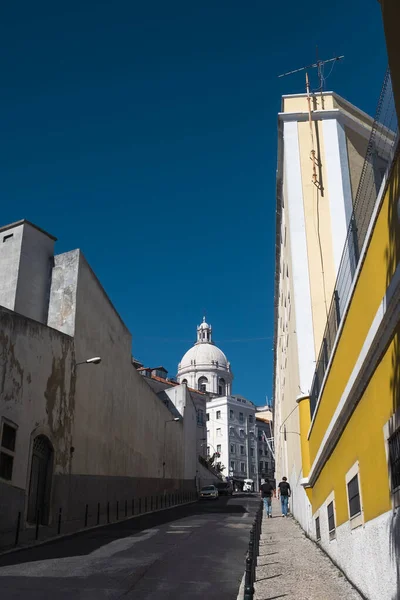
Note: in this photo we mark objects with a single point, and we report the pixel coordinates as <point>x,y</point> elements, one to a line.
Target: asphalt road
<point>191,552</point>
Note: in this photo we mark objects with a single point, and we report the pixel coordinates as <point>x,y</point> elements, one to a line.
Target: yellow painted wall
<point>362,438</point>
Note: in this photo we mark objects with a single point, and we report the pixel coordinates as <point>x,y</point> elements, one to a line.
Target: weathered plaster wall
<point>119,424</point>
<point>36,394</point>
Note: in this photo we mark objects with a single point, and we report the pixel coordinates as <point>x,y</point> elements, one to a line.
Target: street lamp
<point>90,361</point>
<point>175,420</point>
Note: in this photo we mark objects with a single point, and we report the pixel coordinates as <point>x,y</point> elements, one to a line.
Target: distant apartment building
<point>337,321</point>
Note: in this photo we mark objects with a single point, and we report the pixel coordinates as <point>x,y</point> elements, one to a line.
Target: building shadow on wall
<point>392,256</point>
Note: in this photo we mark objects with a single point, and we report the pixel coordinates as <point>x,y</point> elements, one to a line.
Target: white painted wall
<point>364,554</point>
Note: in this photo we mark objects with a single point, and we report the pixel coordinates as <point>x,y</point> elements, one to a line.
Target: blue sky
<point>145,134</point>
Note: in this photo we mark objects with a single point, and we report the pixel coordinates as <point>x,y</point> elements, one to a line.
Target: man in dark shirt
<point>284,492</point>
<point>266,491</point>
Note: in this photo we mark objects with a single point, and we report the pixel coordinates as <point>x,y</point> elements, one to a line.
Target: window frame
<point>218,415</point>
<point>243,467</point>
<point>357,519</point>
<point>317,522</point>
<point>6,451</point>
<point>391,428</point>
<point>331,500</point>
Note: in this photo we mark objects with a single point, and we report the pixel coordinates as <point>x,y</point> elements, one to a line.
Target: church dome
<point>205,367</point>
<point>204,355</point>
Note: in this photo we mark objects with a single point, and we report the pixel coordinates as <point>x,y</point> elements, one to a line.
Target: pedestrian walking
<point>266,491</point>
<point>284,493</point>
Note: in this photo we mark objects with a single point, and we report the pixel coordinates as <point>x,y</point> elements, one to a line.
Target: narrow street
<point>195,551</point>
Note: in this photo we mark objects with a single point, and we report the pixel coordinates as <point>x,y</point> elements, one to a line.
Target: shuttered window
<point>354,497</point>
<point>317,529</point>
<point>394,458</point>
<point>331,517</point>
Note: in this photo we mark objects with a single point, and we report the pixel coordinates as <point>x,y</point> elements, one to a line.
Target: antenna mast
<point>317,65</point>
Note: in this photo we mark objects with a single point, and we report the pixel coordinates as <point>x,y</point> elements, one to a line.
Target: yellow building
<point>322,143</point>
<point>349,415</point>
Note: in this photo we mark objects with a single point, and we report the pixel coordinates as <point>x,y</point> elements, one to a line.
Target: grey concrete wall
<point>63,290</point>
<point>36,394</point>
<point>10,253</point>
<point>33,289</point>
<point>106,425</point>
<point>119,425</point>
<point>181,398</point>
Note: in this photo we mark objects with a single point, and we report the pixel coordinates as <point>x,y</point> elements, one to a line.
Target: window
<point>200,417</point>
<point>394,459</point>
<point>241,449</point>
<point>221,387</point>
<point>317,529</point>
<point>7,451</point>
<point>8,237</point>
<point>202,384</point>
<point>391,432</point>
<point>354,497</point>
<point>232,465</point>
<point>208,416</point>
<point>231,431</point>
<point>251,451</point>
<point>241,417</point>
<point>251,419</point>
<point>208,450</point>
<point>231,414</point>
<point>260,451</point>
<point>242,467</point>
<point>241,433</point>
<point>251,434</point>
<point>219,432</point>
<point>184,381</point>
<point>232,448</point>
<point>253,468</point>
<point>219,448</point>
<point>261,466</point>
<point>218,414</point>
<point>331,519</point>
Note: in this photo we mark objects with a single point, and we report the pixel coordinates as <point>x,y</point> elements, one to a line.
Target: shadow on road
<point>86,542</point>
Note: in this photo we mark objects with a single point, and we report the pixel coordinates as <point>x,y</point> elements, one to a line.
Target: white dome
<point>203,356</point>
<point>205,367</point>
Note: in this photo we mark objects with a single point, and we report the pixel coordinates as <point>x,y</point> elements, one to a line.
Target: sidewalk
<point>291,566</point>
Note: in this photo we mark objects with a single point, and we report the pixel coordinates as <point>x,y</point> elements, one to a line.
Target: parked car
<point>248,485</point>
<point>209,492</point>
<point>225,488</point>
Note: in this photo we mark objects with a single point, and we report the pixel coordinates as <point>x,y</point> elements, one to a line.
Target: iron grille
<point>394,458</point>
<point>378,159</point>
<point>331,517</point>
<point>354,497</point>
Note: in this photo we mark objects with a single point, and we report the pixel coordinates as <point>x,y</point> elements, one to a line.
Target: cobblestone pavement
<point>292,566</point>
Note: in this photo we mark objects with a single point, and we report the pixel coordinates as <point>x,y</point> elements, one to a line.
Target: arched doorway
<point>40,480</point>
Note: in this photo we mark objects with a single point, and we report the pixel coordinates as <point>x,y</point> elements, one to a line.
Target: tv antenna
<point>319,65</point>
